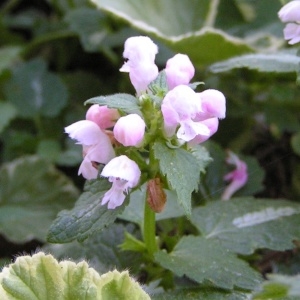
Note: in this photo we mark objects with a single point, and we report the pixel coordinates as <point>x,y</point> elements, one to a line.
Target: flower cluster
<point>176,112</point>
<point>97,141</point>
<point>290,13</point>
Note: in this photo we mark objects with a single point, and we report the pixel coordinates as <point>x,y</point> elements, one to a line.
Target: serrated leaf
<point>182,170</point>
<point>280,62</point>
<point>134,212</point>
<point>87,217</point>
<point>159,84</point>
<point>32,192</point>
<point>101,250</point>
<point>246,224</point>
<point>279,287</point>
<point>202,156</point>
<point>7,113</point>
<point>35,91</point>
<point>124,102</point>
<point>90,26</point>
<point>7,56</point>
<point>204,260</point>
<point>42,277</point>
<point>181,26</point>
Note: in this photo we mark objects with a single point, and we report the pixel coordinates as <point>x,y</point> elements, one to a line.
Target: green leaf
<point>102,250</point>
<point>87,217</point>
<point>202,156</point>
<point>7,113</point>
<point>246,224</point>
<point>148,15</point>
<point>71,156</point>
<point>90,26</point>
<point>182,170</point>
<point>280,62</point>
<point>124,102</point>
<point>83,85</point>
<point>279,286</point>
<point>134,212</point>
<point>7,56</point>
<point>42,277</point>
<point>131,243</point>
<point>33,90</point>
<point>281,118</point>
<point>184,27</point>
<point>49,149</point>
<point>201,294</point>
<point>209,45</point>
<point>213,179</point>
<point>204,260</point>
<point>159,85</point>
<point>32,192</point>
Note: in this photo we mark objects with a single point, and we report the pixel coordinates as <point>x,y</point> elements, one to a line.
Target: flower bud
<point>129,130</point>
<point>156,196</point>
<point>103,116</point>
<point>179,70</point>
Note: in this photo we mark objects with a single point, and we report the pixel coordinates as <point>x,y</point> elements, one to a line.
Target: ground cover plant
<point>149,149</point>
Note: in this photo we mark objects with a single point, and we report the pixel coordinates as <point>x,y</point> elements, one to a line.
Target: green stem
<point>149,230</point>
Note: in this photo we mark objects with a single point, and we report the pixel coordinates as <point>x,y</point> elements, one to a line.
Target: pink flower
<point>129,130</point>
<point>103,116</point>
<point>85,132</point>
<point>212,124</point>
<point>213,104</point>
<point>179,70</point>
<point>238,177</point>
<point>140,52</point>
<point>290,13</point>
<point>124,173</point>
<point>292,32</point>
<point>96,146</point>
<point>179,107</point>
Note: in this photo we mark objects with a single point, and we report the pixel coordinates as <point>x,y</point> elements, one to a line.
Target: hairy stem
<point>149,230</point>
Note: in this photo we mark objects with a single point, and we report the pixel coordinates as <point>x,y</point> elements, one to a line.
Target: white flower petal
<point>85,132</point>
